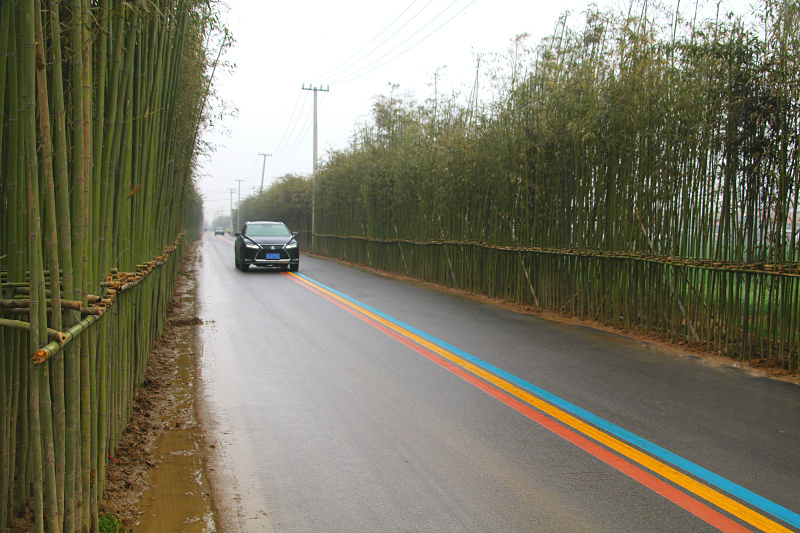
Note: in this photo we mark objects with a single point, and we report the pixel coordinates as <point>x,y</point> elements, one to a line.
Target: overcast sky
<point>356,48</point>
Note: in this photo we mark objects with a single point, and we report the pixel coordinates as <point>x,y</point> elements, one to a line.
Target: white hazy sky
<point>356,48</point>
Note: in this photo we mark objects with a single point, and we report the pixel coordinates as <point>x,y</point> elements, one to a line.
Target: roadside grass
<point>109,523</point>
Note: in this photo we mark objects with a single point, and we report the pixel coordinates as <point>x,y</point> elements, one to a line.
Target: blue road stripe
<point>768,506</point>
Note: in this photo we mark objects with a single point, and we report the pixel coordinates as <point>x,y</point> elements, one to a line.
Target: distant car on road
<point>219,231</point>
<point>266,243</point>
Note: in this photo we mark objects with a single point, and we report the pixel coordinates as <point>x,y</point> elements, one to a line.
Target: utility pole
<point>314,175</point>
<point>239,204</point>
<point>232,191</point>
<point>263,166</point>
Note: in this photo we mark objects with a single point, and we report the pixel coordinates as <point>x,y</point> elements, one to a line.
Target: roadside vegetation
<point>287,199</point>
<point>102,104</point>
<point>638,169</point>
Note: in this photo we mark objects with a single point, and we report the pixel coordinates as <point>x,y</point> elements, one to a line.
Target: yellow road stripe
<point>700,489</point>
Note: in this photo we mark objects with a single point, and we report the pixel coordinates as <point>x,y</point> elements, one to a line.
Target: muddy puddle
<point>179,497</point>
<point>156,481</point>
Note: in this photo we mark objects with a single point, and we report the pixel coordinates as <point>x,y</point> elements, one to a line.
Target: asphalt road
<point>341,400</point>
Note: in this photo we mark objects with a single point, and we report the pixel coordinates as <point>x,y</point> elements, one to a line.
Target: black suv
<point>264,243</point>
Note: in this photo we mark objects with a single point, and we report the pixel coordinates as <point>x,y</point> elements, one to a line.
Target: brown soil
<point>155,481</point>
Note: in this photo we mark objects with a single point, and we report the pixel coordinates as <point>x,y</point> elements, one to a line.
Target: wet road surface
<point>340,400</point>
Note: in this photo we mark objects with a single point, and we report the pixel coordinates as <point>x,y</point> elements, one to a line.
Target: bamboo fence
<point>287,199</point>
<point>101,104</point>
<point>641,171</point>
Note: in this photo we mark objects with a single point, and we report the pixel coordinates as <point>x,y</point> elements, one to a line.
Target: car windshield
<point>267,230</point>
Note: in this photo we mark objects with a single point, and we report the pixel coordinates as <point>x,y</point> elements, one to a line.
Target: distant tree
<point>287,200</point>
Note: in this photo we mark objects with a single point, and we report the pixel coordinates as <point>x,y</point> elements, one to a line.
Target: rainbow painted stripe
<point>609,443</point>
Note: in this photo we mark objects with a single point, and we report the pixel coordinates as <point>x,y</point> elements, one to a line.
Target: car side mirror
<point>237,234</point>
<point>296,233</point>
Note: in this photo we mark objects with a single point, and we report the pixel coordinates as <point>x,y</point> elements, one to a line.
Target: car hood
<point>270,241</point>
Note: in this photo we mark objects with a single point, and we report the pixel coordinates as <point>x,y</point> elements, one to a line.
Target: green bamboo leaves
<point>639,170</point>
<point>287,199</point>
<point>100,108</point>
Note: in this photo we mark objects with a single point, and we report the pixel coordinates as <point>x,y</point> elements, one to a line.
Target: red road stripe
<point>694,506</point>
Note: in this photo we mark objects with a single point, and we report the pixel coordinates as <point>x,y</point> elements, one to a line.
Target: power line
<point>354,76</point>
<point>281,151</point>
<point>300,138</point>
<point>252,168</point>
<point>289,123</point>
<point>292,139</point>
<point>303,132</point>
<point>263,168</point>
<point>374,38</point>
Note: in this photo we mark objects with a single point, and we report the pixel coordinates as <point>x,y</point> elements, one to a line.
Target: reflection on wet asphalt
<point>321,421</point>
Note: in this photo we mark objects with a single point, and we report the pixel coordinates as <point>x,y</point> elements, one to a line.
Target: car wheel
<point>240,264</point>
<point>294,267</point>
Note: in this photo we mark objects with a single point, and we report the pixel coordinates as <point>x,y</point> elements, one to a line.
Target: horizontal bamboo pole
<point>115,282</point>
<point>52,334</point>
<point>789,270</point>
<point>43,354</point>
<point>24,311</point>
<point>65,304</point>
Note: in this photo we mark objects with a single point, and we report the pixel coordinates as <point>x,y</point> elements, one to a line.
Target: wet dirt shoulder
<point>156,479</point>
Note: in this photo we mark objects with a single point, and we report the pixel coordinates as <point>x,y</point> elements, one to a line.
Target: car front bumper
<point>262,258</point>
<point>270,262</point>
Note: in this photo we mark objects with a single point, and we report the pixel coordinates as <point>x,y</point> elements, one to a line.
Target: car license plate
<point>272,256</point>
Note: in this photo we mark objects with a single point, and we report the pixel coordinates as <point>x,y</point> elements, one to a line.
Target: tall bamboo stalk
<point>688,127</point>
<point>65,217</point>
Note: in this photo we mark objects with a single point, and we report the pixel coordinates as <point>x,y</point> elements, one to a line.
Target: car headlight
<point>253,246</point>
<point>292,244</point>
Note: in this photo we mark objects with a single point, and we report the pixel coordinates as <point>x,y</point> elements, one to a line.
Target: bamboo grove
<point>638,169</point>
<point>101,106</point>
<point>287,199</point>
